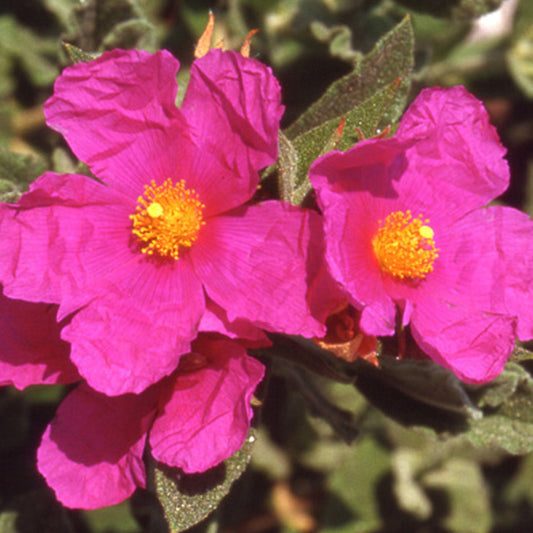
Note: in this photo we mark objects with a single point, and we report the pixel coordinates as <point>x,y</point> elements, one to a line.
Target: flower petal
<point>233,106</point>
<point>254,264</point>
<point>457,155</point>
<point>62,241</point>
<point>118,115</point>
<point>32,352</point>
<point>353,201</point>
<point>474,345</point>
<point>215,320</point>
<point>124,342</point>
<point>91,453</point>
<point>207,416</point>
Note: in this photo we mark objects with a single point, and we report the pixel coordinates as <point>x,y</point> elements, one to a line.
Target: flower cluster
<point>143,288</point>
<point>153,268</point>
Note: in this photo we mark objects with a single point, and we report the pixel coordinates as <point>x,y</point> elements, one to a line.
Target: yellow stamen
<point>168,218</point>
<point>404,246</point>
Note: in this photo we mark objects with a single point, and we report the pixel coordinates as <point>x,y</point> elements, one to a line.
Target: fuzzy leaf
<point>508,413</point>
<point>77,55</point>
<point>368,99</point>
<point>370,118</point>
<point>419,393</point>
<point>391,58</point>
<point>16,172</point>
<point>106,24</point>
<point>188,499</point>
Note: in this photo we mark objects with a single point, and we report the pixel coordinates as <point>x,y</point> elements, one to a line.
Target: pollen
<point>168,218</point>
<point>404,246</point>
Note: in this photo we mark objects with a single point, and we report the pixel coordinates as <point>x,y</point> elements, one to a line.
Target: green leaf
<point>188,499</point>
<point>520,61</point>
<point>77,55</point>
<point>370,118</point>
<point>468,495</point>
<point>507,403</point>
<point>367,100</point>
<point>16,172</point>
<point>351,505</point>
<point>391,58</point>
<point>62,9</point>
<point>339,39</point>
<point>22,48</point>
<point>287,168</point>
<point>418,393</point>
<point>106,24</point>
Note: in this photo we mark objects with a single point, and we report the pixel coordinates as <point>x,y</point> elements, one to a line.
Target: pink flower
<point>136,258</point>
<point>407,232</point>
<point>31,351</point>
<point>92,452</point>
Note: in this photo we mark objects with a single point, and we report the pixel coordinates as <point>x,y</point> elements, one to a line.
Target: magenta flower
<point>407,232</point>
<point>137,257</point>
<point>92,452</point>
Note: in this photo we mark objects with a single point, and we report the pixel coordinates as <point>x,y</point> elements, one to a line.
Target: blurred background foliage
<point>328,456</point>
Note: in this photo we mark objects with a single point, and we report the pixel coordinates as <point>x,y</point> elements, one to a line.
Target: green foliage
<point>188,499</point>
<point>367,100</point>
<point>16,172</point>
<point>520,54</point>
<point>20,48</point>
<point>98,25</point>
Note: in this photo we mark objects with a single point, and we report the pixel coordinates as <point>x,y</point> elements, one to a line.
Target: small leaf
<point>77,55</point>
<point>188,499</point>
<point>288,166</point>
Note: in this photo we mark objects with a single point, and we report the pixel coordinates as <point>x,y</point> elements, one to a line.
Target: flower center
<point>168,218</point>
<point>404,246</point>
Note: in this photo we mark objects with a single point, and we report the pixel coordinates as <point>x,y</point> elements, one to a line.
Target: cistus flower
<point>91,454</point>
<point>136,258</point>
<point>410,241</point>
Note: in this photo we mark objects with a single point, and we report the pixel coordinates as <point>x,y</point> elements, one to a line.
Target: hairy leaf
<point>188,499</point>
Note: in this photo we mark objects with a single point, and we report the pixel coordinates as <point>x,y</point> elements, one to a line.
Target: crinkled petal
<point>353,202</point>
<point>473,344</point>
<point>485,262</point>
<point>233,106</point>
<point>124,342</point>
<point>512,234</point>
<point>65,240</point>
<point>208,413</point>
<point>118,115</point>
<point>91,453</point>
<point>457,159</point>
<point>31,351</point>
<point>254,264</point>
<point>215,320</point>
